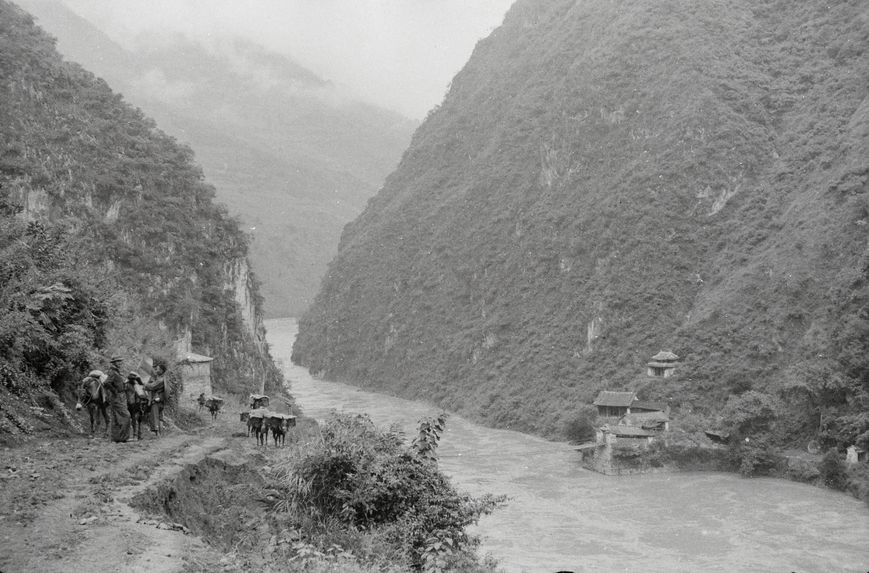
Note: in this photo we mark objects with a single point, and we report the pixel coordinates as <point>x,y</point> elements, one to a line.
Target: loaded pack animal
<point>275,423</point>
<point>256,424</point>
<point>253,423</point>
<point>92,395</point>
<point>213,404</point>
<point>259,401</point>
<point>289,421</point>
<point>138,403</point>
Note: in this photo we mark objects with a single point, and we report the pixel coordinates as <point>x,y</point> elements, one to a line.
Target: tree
<point>749,414</point>
<point>359,477</point>
<point>833,471</point>
<point>428,437</point>
<point>581,427</point>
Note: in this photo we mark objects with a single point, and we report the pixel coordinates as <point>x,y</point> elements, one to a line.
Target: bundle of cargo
<point>258,401</point>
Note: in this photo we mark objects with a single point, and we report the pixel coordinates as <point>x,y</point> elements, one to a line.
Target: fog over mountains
<point>288,152</point>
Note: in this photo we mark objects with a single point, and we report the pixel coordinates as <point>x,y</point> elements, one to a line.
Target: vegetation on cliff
<point>606,180</point>
<point>110,241</point>
<point>289,153</point>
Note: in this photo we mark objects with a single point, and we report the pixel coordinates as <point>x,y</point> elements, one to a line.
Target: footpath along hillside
<point>88,504</point>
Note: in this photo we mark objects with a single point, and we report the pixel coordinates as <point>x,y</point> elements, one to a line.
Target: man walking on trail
<point>118,401</point>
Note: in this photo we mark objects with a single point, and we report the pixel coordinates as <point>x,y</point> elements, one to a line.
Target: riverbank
<point>679,451</point>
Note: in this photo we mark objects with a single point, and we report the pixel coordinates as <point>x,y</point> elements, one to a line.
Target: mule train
<point>94,394</point>
<point>260,421</point>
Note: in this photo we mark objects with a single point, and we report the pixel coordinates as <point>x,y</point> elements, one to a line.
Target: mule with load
<point>256,425</point>
<point>275,424</point>
<point>138,403</point>
<point>92,395</point>
<point>258,401</point>
<point>214,404</point>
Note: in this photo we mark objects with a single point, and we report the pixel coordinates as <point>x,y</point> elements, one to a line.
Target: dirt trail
<point>64,504</point>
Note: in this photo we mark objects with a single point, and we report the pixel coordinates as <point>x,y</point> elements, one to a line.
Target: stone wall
<point>196,377</point>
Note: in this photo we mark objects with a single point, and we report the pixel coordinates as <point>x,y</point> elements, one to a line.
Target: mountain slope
<point>110,239</point>
<point>286,151</point>
<point>606,180</point>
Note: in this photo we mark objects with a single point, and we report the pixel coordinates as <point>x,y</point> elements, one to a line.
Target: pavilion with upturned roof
<point>662,365</point>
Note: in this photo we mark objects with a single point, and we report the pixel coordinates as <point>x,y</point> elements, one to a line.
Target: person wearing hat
<point>118,401</point>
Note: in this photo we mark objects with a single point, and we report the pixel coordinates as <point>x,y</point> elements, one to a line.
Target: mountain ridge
<point>110,242</point>
<point>317,154</point>
<point>602,182</point>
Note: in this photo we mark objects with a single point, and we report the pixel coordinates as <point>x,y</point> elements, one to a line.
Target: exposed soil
<point>67,504</point>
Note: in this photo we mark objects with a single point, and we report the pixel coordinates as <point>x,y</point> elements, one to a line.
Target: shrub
<point>832,470</point>
<point>581,427</point>
<point>858,481</point>
<point>754,458</point>
<point>749,414</point>
<point>689,457</point>
<point>802,471</point>
<point>358,477</point>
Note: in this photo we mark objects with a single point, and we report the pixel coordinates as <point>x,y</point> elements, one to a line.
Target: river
<point>563,517</point>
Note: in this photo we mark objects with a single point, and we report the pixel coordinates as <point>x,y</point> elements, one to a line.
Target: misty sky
<point>400,54</point>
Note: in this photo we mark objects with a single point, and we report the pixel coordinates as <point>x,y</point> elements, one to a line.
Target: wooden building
<point>614,404</point>
<point>629,427</point>
<point>618,404</point>
<point>618,449</point>
<point>196,377</point>
<point>627,436</point>
<point>640,406</point>
<point>656,421</point>
<point>662,365</point>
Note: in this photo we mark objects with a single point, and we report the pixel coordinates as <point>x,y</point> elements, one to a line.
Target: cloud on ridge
<point>399,54</point>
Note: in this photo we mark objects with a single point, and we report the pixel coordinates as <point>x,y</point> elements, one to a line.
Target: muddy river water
<point>563,517</point>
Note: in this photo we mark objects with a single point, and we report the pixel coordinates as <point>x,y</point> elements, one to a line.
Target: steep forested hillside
<point>608,179</point>
<point>110,241</point>
<point>288,152</point>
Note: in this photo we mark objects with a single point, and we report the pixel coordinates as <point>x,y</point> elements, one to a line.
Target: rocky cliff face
<point>605,180</point>
<point>133,239</point>
<point>287,152</point>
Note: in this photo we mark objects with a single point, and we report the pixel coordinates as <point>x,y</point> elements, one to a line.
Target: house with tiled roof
<point>629,427</point>
<point>614,404</point>
<point>656,421</point>
<point>617,447</point>
<point>648,406</point>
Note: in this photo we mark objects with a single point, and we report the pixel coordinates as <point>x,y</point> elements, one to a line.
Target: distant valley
<point>288,152</point>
